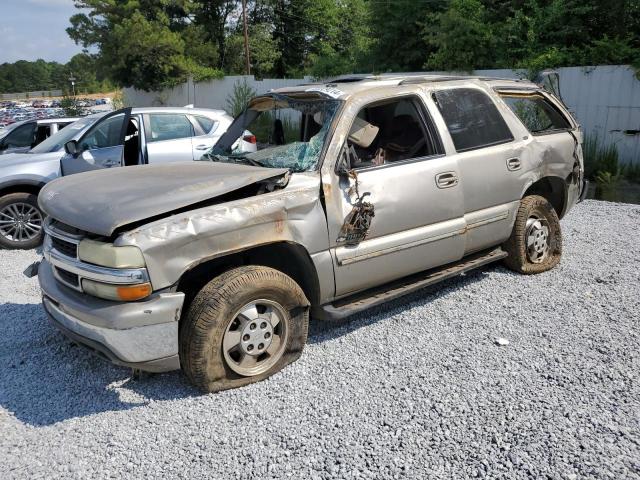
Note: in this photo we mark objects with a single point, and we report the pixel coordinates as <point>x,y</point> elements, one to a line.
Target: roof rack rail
<point>451,78</point>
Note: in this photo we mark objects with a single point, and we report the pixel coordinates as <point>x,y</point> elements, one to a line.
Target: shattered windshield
<point>278,132</point>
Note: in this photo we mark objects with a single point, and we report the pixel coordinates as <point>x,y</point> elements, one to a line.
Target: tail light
<point>249,138</point>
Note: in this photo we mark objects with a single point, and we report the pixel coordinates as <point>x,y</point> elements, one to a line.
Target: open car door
<point>102,146</point>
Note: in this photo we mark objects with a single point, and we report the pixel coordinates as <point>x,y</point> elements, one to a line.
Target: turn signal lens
<point>250,138</point>
<point>134,292</point>
<point>117,293</point>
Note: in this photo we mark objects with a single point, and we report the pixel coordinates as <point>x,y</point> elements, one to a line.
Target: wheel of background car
<point>535,244</point>
<point>242,327</point>
<point>20,221</point>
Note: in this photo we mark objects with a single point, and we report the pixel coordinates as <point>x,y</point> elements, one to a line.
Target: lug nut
<point>263,325</point>
<point>246,337</point>
<point>267,335</point>
<point>261,346</point>
<point>249,347</point>
<point>252,326</point>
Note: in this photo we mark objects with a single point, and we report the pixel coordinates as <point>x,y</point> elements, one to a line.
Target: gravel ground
<point>419,388</point>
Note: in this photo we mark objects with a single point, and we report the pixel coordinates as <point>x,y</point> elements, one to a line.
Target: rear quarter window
<point>206,124</point>
<point>536,113</point>
<point>473,120</point>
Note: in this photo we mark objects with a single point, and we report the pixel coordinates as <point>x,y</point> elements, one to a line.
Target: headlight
<point>106,255</point>
<point>118,293</point>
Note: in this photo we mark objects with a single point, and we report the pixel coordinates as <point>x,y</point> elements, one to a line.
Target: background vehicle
<point>166,135</point>
<point>22,175</point>
<point>363,190</point>
<point>20,137</point>
<point>149,135</point>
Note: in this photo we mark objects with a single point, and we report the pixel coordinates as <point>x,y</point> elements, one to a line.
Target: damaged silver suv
<point>361,191</point>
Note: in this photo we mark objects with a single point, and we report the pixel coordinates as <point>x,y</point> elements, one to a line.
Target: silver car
<point>124,137</point>
<point>23,136</point>
<point>137,136</point>
<point>363,190</point>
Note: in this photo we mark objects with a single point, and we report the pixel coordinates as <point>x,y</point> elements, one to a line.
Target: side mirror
<point>71,147</point>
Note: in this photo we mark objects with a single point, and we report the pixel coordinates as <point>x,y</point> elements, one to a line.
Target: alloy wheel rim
<point>537,238</point>
<point>255,338</point>
<point>20,222</point>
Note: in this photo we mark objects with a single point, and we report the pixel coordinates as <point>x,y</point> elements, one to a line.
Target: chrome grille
<point>69,278</point>
<point>65,247</point>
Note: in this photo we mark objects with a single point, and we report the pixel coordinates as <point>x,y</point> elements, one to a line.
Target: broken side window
<point>536,113</point>
<point>473,120</point>
<point>392,131</point>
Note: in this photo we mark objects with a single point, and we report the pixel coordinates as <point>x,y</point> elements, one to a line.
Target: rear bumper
<point>142,335</point>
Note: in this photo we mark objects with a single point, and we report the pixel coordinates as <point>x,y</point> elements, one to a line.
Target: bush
<point>600,158</point>
<point>240,97</point>
<point>70,106</point>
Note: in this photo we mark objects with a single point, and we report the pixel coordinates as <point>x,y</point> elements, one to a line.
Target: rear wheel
<point>21,221</point>
<point>535,244</point>
<point>242,327</point>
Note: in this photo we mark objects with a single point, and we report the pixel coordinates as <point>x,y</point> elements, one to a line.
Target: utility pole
<point>246,37</point>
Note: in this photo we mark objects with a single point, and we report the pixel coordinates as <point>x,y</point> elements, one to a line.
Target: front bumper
<point>142,335</point>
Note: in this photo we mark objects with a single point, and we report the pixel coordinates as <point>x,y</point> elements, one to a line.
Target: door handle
<point>513,164</point>
<point>202,147</point>
<point>446,180</point>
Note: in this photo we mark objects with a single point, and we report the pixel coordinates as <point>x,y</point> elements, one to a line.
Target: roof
<point>202,111</point>
<point>348,85</point>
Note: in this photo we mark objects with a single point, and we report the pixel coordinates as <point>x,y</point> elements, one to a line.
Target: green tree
<point>142,42</point>
<point>263,52</point>
<point>461,38</point>
<point>398,32</point>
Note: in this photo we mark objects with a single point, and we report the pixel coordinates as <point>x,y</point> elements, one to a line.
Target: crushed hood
<point>101,201</point>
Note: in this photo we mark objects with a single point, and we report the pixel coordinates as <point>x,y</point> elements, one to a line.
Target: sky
<point>33,29</point>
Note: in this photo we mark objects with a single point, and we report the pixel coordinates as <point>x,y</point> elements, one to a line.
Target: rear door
<point>102,146</point>
<point>205,134</point>
<point>168,137</point>
<point>490,160</point>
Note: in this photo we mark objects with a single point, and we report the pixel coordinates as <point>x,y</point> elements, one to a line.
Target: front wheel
<point>20,221</point>
<point>535,244</point>
<point>242,327</point>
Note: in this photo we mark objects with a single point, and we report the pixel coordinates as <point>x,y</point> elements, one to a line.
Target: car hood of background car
<point>15,159</point>
<point>102,201</point>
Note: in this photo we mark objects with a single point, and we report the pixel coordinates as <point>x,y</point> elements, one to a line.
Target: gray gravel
<point>420,388</point>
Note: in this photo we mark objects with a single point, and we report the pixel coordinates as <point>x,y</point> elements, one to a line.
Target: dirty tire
<point>25,200</point>
<point>214,308</point>
<point>518,259</point>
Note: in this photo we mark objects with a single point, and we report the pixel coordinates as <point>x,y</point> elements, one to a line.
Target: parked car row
<point>124,137</point>
<point>359,191</point>
<point>12,112</point>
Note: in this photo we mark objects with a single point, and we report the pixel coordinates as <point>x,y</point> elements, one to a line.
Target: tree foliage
<point>152,44</point>
<point>23,76</point>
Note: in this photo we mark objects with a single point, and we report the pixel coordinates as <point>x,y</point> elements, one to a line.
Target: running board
<point>351,305</point>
